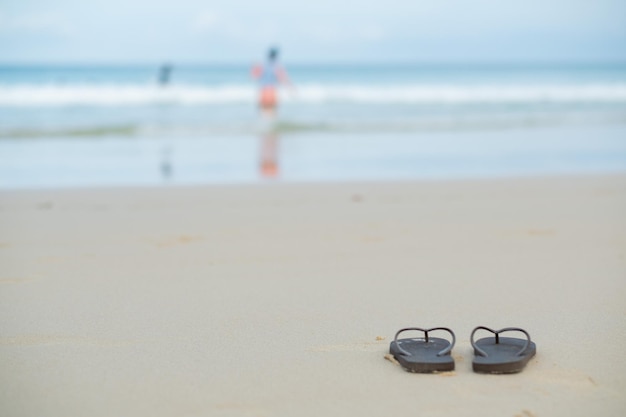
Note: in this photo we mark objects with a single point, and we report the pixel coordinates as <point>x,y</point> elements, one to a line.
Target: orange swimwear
<point>268,98</point>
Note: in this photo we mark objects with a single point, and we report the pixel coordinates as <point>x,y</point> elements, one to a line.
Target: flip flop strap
<point>481,352</point>
<point>440,353</point>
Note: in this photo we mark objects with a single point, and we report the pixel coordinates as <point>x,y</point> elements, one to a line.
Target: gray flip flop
<point>426,354</point>
<point>501,355</point>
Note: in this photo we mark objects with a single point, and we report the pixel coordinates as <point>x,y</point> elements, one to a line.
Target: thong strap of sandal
<point>497,335</point>
<point>426,331</point>
<point>501,355</point>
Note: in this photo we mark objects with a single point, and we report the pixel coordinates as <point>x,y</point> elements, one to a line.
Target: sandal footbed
<point>502,357</point>
<point>423,355</point>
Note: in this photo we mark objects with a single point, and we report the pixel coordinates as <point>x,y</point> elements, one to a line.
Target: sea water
<point>116,125</point>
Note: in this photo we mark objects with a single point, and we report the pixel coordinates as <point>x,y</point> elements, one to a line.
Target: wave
<point>194,95</point>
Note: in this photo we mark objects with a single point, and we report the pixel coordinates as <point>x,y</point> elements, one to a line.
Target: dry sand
<point>281,300</point>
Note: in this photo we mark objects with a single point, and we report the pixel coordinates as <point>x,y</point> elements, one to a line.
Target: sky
<point>320,31</point>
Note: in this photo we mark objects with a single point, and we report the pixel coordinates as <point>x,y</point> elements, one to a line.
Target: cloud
<point>239,28</point>
<point>205,22</point>
<point>335,33</point>
<point>40,23</point>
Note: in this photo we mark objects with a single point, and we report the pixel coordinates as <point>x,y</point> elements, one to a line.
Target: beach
<point>281,299</point>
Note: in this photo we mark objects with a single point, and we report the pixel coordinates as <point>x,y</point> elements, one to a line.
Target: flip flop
<point>423,355</point>
<point>501,355</point>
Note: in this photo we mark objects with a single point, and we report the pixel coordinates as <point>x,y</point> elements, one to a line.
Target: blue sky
<point>194,31</point>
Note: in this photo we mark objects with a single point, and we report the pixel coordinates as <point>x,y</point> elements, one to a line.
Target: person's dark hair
<point>272,54</point>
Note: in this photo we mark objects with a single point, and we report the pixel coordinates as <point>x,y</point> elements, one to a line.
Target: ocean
<point>89,126</point>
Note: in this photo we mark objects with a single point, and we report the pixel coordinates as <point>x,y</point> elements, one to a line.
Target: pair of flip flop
<point>492,355</point>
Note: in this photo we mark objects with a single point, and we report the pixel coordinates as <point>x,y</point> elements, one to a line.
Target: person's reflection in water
<point>166,163</point>
<point>269,166</point>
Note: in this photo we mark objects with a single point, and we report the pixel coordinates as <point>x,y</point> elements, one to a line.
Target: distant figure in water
<point>270,76</point>
<point>164,74</point>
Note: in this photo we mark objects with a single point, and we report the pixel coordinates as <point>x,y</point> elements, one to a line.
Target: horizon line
<point>316,63</point>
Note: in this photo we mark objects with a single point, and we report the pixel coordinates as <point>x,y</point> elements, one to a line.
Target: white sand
<point>268,300</point>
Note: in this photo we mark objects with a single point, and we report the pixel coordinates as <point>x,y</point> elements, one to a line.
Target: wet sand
<point>281,300</point>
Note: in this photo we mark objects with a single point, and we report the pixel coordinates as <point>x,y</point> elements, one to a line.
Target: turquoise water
<point>98,126</point>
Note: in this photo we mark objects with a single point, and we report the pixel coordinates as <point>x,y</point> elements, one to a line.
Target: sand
<point>281,300</point>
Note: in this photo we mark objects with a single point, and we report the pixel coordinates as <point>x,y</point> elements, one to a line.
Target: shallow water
<point>103,126</point>
<point>186,160</point>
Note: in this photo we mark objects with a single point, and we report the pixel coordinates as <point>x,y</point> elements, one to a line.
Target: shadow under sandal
<point>501,355</point>
<point>426,354</point>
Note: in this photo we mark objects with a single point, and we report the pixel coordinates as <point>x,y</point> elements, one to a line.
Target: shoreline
<point>281,183</point>
<point>281,299</point>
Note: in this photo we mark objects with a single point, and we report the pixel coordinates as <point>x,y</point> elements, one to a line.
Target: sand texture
<point>281,300</point>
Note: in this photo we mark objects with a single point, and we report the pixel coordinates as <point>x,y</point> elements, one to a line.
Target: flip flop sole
<point>423,355</point>
<point>502,357</point>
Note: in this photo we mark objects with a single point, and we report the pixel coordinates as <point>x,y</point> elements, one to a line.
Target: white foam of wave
<point>132,95</point>
<point>113,95</point>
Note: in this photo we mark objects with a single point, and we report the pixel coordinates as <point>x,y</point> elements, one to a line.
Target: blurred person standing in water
<point>165,73</point>
<point>270,76</point>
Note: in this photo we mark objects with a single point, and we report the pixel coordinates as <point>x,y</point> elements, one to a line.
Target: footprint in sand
<point>175,241</point>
